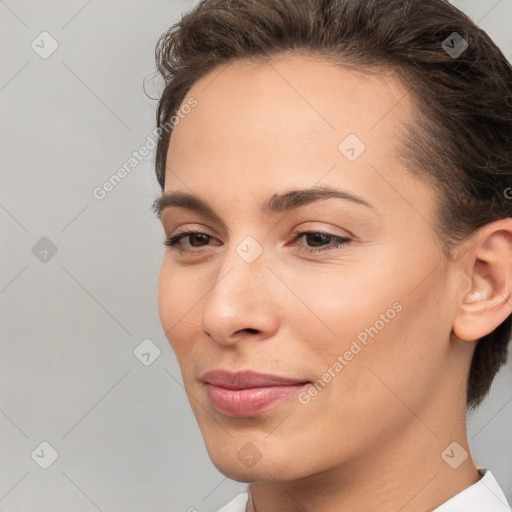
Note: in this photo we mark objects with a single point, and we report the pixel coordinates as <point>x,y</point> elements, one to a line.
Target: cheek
<point>166,298</point>
<point>365,325</point>
<point>383,366</point>
<point>176,299</point>
<point>343,303</point>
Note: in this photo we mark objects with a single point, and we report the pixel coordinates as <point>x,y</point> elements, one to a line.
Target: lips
<point>248,393</point>
<point>247,379</point>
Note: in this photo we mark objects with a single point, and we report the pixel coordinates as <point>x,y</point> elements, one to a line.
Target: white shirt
<point>484,496</point>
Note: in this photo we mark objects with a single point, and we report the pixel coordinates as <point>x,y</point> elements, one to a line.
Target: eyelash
<point>173,241</point>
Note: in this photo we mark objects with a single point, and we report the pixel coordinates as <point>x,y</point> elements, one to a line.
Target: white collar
<point>484,496</point>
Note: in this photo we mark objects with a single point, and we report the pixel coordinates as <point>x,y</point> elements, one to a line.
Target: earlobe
<point>487,304</point>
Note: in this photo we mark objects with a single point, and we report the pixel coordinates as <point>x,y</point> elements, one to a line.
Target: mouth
<point>247,393</point>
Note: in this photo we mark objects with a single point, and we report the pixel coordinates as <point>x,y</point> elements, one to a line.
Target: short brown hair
<point>461,138</point>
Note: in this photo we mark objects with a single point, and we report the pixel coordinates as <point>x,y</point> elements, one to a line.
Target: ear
<point>488,302</point>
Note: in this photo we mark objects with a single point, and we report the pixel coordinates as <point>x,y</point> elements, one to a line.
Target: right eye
<point>174,242</point>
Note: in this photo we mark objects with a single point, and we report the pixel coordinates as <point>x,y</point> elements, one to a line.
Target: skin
<point>384,420</point>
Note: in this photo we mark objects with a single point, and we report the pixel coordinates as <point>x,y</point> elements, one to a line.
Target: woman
<point>337,279</point>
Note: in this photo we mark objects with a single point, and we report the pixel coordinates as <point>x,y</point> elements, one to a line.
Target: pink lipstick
<point>248,393</point>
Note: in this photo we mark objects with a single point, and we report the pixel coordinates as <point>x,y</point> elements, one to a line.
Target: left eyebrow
<point>277,203</point>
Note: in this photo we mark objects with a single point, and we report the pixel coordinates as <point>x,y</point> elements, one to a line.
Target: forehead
<point>264,127</point>
<point>290,106</point>
<point>310,87</point>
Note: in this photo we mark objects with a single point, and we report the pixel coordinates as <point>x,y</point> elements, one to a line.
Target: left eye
<point>315,237</point>
<point>320,237</point>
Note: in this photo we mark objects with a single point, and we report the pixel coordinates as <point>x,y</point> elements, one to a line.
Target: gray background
<point>124,432</point>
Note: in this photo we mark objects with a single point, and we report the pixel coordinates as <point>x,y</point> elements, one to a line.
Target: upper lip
<point>247,379</point>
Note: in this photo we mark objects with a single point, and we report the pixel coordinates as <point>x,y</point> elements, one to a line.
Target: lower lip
<point>250,401</point>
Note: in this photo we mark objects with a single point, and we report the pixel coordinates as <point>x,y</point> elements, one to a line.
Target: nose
<point>240,304</point>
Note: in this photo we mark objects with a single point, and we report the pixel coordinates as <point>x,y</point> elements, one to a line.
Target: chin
<point>232,471</point>
<point>244,461</point>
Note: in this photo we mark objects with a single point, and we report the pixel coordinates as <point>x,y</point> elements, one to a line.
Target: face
<point>336,295</point>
